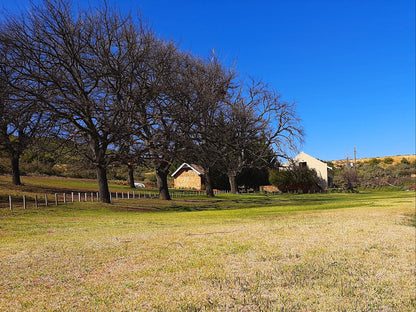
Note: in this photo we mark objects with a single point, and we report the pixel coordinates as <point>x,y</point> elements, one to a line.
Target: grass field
<point>318,252</point>
<point>34,185</point>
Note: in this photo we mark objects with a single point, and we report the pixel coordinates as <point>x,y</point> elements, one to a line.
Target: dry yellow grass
<point>351,259</point>
<point>396,159</point>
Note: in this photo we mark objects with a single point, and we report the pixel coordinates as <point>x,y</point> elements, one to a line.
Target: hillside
<point>396,159</point>
<point>397,171</point>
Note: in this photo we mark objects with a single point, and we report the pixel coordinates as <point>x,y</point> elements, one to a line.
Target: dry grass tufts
<point>351,259</point>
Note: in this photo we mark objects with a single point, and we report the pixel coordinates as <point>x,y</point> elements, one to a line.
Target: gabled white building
<point>322,169</point>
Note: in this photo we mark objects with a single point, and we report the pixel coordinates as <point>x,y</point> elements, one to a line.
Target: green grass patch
<point>35,184</point>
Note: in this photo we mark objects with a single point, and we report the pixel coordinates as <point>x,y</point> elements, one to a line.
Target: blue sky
<point>349,65</point>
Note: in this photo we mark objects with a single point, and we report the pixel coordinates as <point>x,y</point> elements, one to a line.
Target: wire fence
<point>44,200</point>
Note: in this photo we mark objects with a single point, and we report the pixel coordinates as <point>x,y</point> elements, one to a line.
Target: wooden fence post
<point>128,195</point>
<point>46,200</point>
<point>36,201</point>
<point>64,198</point>
<point>24,201</point>
<point>56,199</point>
<point>92,197</point>
<point>86,196</point>
<point>10,202</point>
<point>72,197</point>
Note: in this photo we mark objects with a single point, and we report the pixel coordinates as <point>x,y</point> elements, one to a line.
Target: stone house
<point>189,177</point>
<point>269,189</point>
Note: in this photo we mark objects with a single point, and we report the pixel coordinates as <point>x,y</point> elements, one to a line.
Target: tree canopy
<point>112,86</point>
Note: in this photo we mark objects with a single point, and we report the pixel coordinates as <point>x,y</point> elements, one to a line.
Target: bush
<point>296,178</point>
<point>388,160</point>
<point>378,177</point>
<point>374,161</point>
<point>405,161</point>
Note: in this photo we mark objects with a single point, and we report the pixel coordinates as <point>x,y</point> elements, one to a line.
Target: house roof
<point>303,156</point>
<point>198,169</point>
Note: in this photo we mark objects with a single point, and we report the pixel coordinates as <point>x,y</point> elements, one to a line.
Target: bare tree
<point>87,65</point>
<point>258,129</point>
<point>159,105</point>
<point>242,132</point>
<point>131,152</point>
<point>350,180</point>
<point>210,86</point>
<point>21,118</point>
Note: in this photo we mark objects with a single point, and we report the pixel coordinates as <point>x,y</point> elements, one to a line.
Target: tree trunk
<point>208,184</point>
<point>131,175</point>
<point>103,184</point>
<point>162,181</point>
<point>15,158</point>
<point>233,183</point>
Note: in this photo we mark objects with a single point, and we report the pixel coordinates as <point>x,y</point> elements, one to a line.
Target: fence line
<point>24,201</point>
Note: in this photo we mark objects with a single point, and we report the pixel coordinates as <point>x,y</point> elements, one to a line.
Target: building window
<point>302,164</point>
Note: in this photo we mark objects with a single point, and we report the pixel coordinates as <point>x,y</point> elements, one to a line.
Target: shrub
<point>296,178</point>
<point>405,161</point>
<point>388,160</point>
<point>374,161</point>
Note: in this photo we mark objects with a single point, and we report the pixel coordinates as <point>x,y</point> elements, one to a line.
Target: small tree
<point>347,178</point>
<point>350,180</point>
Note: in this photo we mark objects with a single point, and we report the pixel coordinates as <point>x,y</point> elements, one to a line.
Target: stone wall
<point>269,189</point>
<point>188,179</point>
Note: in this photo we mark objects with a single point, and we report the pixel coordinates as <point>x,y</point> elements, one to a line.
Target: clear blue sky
<point>349,64</point>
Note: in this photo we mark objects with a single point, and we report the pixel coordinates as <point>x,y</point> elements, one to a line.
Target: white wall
<point>313,163</point>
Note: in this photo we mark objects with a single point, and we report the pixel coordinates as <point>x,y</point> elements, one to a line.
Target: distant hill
<point>396,159</point>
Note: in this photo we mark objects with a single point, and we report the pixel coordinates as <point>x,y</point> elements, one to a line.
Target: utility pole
<point>355,156</point>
